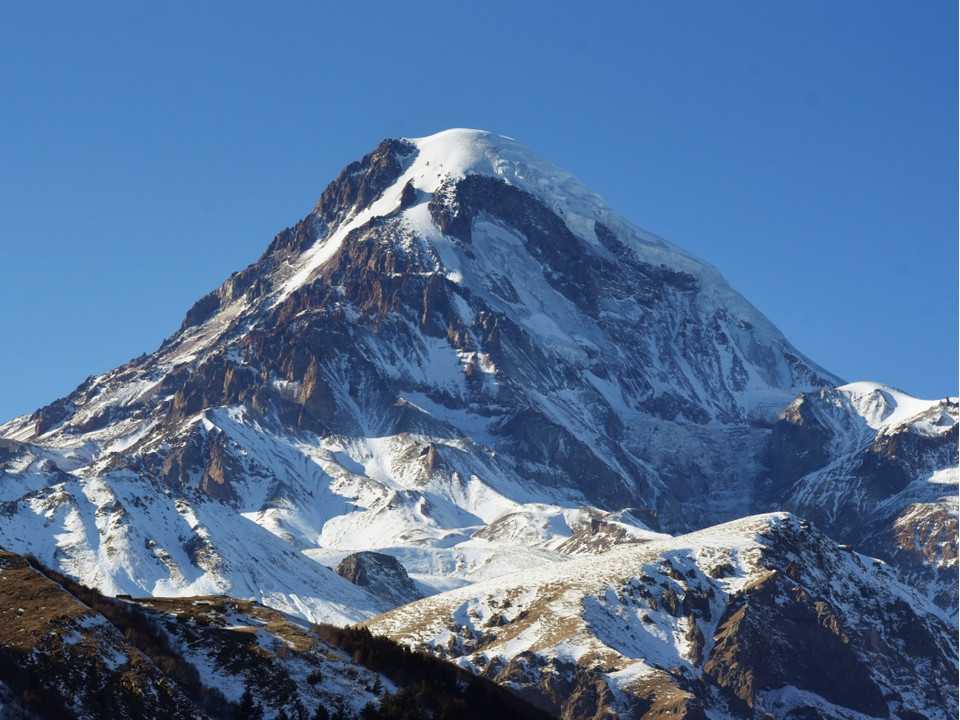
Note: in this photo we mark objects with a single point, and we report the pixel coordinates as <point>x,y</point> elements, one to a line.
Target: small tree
<point>248,709</point>
<point>299,710</point>
<point>340,712</point>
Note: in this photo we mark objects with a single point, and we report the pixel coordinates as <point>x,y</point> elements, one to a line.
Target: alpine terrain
<point>594,472</point>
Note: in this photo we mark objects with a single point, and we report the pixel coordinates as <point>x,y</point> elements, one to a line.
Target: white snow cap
<point>458,152</point>
<point>454,154</point>
<point>882,405</point>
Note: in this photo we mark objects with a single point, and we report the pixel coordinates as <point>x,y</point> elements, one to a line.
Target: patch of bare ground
<point>61,659</point>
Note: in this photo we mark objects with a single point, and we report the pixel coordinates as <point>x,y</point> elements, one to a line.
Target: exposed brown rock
<point>221,470</point>
<point>318,401</point>
<point>798,444</point>
<point>670,602</point>
<point>362,182</point>
<point>380,574</point>
<point>52,415</point>
<point>773,613</point>
<point>562,688</point>
<point>659,697</point>
<point>694,636</point>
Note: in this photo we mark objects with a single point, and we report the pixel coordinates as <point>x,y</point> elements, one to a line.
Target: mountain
<point>464,359</point>
<point>764,616</point>
<point>875,468</point>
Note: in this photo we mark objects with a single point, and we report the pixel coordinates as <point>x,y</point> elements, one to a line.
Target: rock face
<point>381,575</point>
<point>764,615</point>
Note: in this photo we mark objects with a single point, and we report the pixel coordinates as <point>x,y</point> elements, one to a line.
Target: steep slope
<point>877,469</point>
<point>124,533</point>
<point>73,653</point>
<point>764,615</point>
<point>61,659</point>
<point>462,358</point>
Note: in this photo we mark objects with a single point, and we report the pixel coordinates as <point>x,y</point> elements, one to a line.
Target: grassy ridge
<point>428,687</point>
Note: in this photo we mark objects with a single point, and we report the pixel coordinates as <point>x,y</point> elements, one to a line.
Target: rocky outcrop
<point>773,613</point>
<point>664,696</point>
<point>362,182</point>
<point>600,535</point>
<point>798,445</point>
<point>381,575</point>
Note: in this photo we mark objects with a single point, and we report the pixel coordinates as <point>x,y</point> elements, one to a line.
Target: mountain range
<point>464,369</point>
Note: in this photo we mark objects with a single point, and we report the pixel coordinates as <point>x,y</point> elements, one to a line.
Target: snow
<point>594,610</point>
<point>96,532</point>
<point>304,502</point>
<point>456,153</point>
<point>947,476</point>
<point>882,405</point>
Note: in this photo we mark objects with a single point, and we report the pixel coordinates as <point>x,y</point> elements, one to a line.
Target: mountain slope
<point>64,660</point>
<point>875,468</point>
<point>68,652</point>
<point>763,615</point>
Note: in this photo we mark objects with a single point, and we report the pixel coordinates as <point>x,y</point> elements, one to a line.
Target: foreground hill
<point>68,652</point>
<point>764,616</point>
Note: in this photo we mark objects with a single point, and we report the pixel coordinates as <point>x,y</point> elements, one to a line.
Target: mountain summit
<point>469,219</point>
<point>462,357</point>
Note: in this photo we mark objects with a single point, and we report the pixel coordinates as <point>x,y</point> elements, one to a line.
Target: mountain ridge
<point>672,618</point>
<point>464,359</point>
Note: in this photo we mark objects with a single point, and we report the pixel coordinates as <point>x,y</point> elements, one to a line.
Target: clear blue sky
<point>808,150</point>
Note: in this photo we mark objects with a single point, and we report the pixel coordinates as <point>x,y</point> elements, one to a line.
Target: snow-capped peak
<point>460,345</point>
<point>455,154</point>
<point>882,405</point>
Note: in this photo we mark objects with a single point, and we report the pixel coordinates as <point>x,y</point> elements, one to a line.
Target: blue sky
<point>808,150</point>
